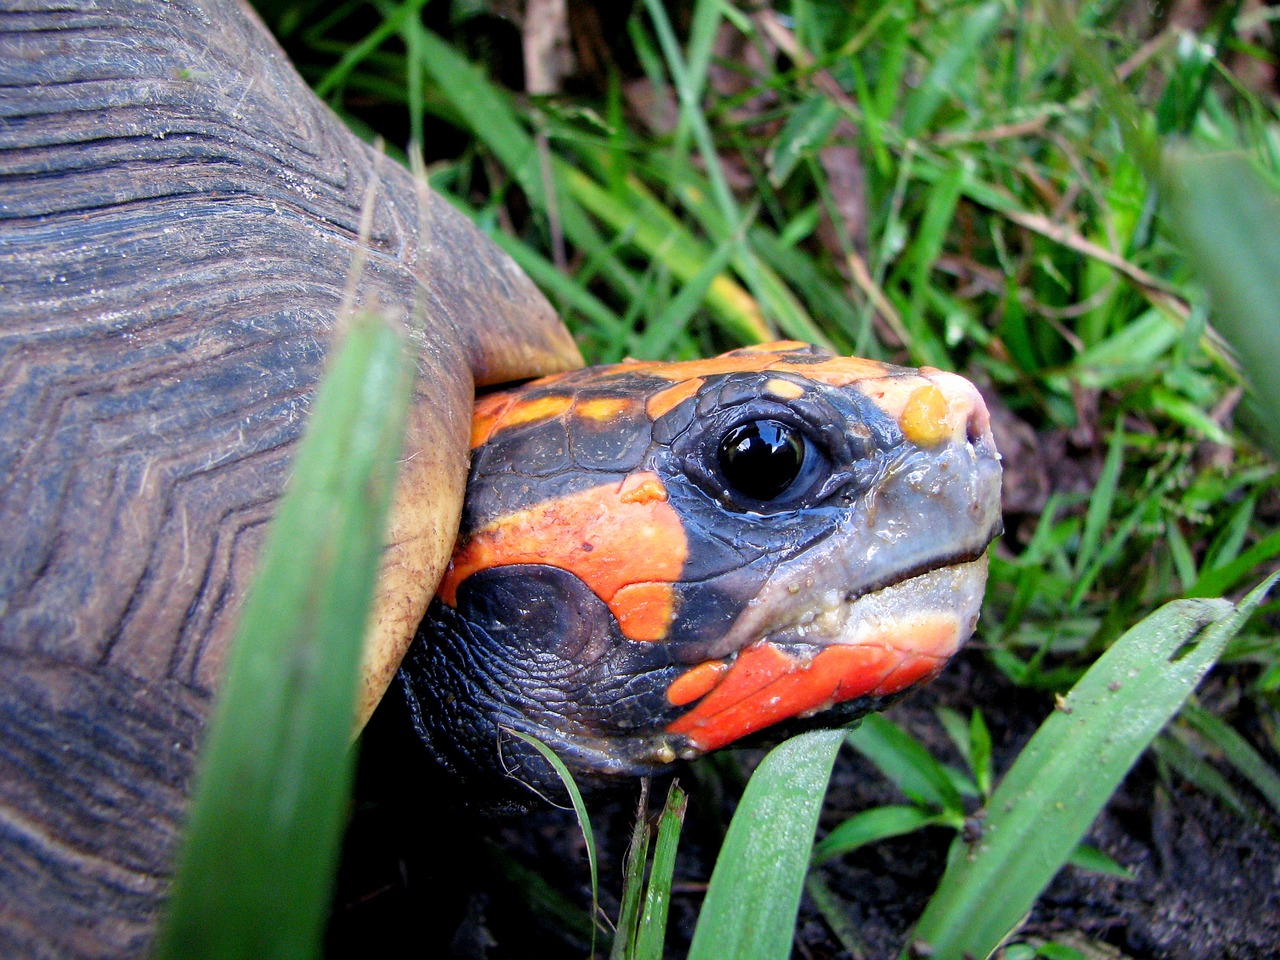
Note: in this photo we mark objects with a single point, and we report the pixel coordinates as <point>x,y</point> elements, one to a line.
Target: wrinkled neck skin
<point>616,595</point>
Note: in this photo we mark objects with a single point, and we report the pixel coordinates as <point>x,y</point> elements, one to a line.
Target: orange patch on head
<point>754,669</point>
<point>784,389</point>
<point>926,419</point>
<point>933,635</point>
<point>743,702</point>
<point>487,416</point>
<point>508,409</point>
<point>930,409</point>
<point>834,371</point>
<point>912,671</point>
<point>777,346</point>
<point>712,366</point>
<point>931,642</point>
<point>666,400</point>
<point>539,408</point>
<point>607,539</point>
<point>604,408</point>
<point>642,488</point>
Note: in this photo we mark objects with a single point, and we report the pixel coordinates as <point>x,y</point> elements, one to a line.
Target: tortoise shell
<point>182,225</point>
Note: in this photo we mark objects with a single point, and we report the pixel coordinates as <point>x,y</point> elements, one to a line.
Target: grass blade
<point>354,55</point>
<point>1223,578</point>
<point>806,129</point>
<point>1065,775</point>
<point>1101,501</point>
<point>542,899</point>
<point>906,762</point>
<point>256,866</point>
<point>980,752</point>
<point>624,934</point>
<point>1227,216</point>
<point>580,810</point>
<point>490,117</point>
<point>871,826</point>
<point>1197,771</point>
<point>655,231</point>
<point>940,82</point>
<point>782,306</point>
<point>1090,858</point>
<point>657,899</point>
<point>843,926</point>
<point>754,895</point>
<point>1237,750</point>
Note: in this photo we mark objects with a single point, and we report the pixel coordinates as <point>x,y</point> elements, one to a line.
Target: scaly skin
<point>629,593</point>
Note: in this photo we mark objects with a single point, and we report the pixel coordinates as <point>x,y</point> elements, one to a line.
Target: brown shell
<point>179,218</point>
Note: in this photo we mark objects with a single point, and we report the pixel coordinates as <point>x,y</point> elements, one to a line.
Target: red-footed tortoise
<point>656,560</point>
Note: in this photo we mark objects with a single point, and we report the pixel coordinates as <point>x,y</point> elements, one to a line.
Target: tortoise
<point>180,222</point>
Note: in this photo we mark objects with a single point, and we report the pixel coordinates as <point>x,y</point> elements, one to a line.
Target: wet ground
<point>1205,881</point>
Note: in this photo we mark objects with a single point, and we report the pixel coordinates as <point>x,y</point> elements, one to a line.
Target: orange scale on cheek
<point>766,685</point>
<point>696,682</point>
<point>644,611</point>
<point>922,647</point>
<point>935,636</point>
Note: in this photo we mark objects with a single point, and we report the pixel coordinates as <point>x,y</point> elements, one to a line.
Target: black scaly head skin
<point>657,560</point>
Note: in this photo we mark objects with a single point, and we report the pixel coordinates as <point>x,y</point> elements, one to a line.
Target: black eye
<point>761,459</point>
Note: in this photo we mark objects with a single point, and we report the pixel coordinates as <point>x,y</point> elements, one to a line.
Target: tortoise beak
<point>877,607</point>
<point>883,643</point>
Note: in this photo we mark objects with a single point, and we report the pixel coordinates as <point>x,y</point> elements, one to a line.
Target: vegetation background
<point>1007,189</point>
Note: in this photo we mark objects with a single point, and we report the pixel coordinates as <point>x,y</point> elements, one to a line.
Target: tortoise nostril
<point>978,424</point>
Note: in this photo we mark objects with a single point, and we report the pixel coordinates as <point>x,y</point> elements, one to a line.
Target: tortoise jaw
<point>871,647</point>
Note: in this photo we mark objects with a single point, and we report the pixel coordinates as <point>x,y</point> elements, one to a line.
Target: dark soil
<point>1206,883</point>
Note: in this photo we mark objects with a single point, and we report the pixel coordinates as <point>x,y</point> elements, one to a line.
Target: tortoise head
<point>657,560</point>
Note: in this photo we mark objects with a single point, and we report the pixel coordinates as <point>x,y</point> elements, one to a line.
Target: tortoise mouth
<point>875,645</point>
<point>852,655</point>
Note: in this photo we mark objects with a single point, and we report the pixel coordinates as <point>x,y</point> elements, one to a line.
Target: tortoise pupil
<point>761,459</point>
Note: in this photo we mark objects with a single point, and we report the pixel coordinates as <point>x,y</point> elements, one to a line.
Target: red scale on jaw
<point>765,684</point>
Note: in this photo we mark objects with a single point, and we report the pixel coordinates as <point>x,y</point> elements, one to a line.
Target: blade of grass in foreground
<point>657,899</point>
<point>1065,775</point>
<point>754,894</point>
<point>1227,216</point>
<point>580,810</point>
<point>633,869</point>
<point>256,866</point>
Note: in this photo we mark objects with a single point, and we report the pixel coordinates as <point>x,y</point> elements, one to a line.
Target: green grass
<point>1050,198</point>
<point>256,866</point>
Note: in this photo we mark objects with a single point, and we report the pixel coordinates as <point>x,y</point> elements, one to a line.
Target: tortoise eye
<point>761,459</point>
